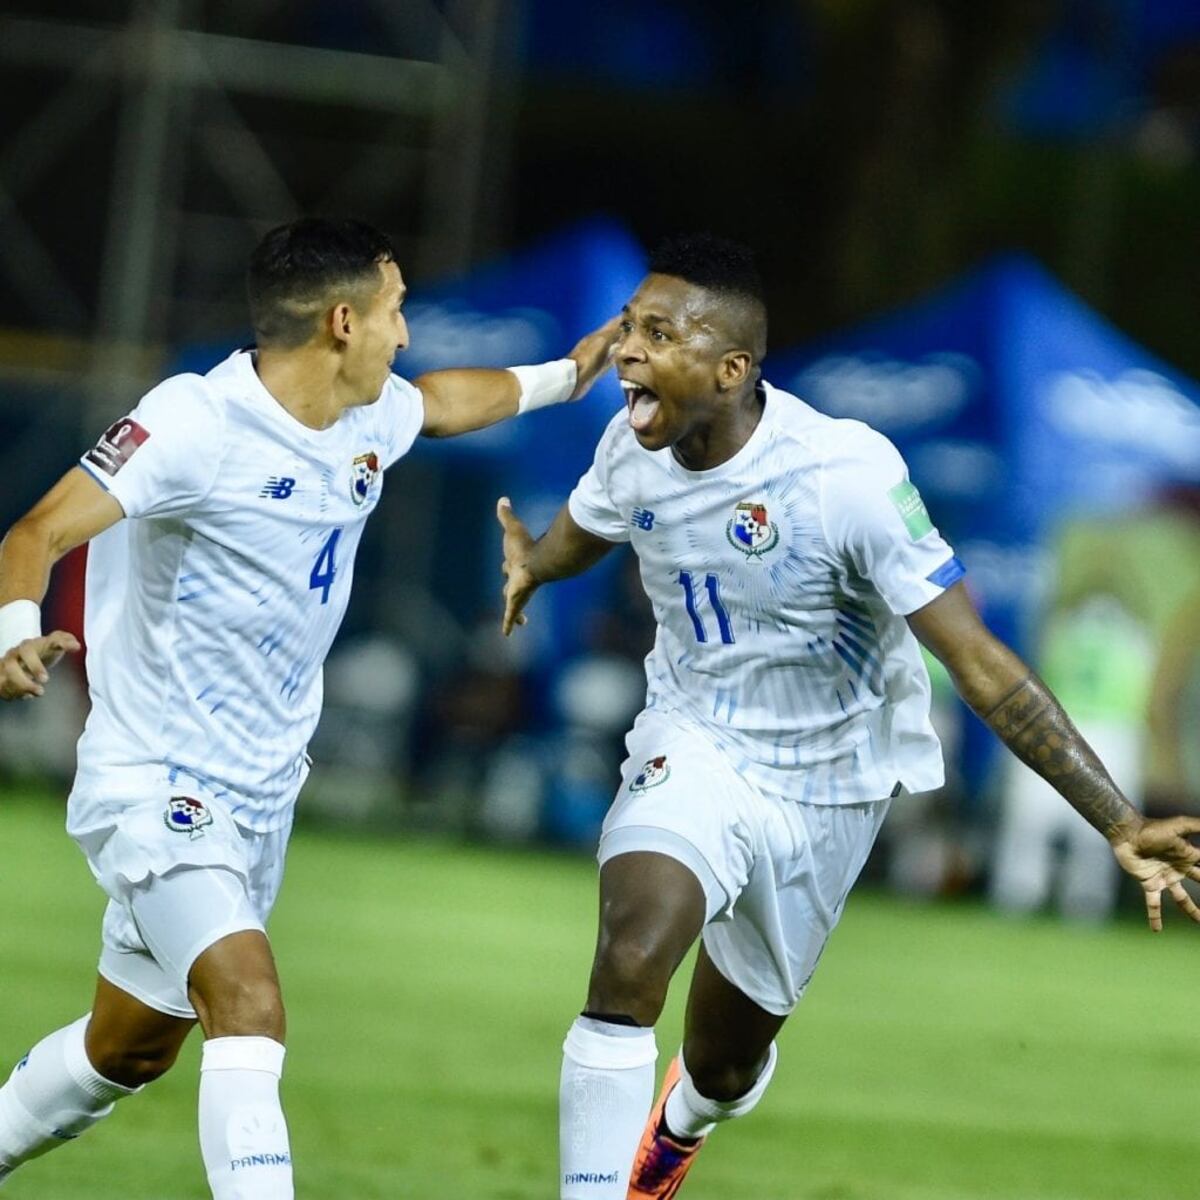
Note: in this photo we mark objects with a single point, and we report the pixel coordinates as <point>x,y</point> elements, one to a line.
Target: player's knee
<point>245,1008</point>
<point>721,1075</point>
<point>629,976</point>
<point>132,1067</point>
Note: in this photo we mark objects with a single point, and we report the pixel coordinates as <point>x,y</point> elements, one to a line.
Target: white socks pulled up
<point>605,1093</point>
<point>243,1134</point>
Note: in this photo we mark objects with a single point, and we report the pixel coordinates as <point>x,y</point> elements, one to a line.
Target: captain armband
<point>546,383</point>
<point>19,621</point>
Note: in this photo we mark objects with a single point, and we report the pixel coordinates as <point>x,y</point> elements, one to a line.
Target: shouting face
<point>679,360</point>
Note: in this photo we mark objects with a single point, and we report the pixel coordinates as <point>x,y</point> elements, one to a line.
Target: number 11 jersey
<point>780,580</point>
<point>211,609</point>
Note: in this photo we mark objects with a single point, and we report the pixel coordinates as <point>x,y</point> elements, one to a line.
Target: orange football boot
<point>661,1162</point>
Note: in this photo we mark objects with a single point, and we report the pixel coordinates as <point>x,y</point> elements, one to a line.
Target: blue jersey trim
<point>948,574</point>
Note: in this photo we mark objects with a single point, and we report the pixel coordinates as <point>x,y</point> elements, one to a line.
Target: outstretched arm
<point>72,512</point>
<point>1024,714</point>
<point>458,401</point>
<point>562,551</point>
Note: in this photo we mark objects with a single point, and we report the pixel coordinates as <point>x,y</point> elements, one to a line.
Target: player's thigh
<point>809,857</point>
<point>652,909</point>
<point>681,799</point>
<point>180,915</point>
<point>233,981</point>
<point>176,891</point>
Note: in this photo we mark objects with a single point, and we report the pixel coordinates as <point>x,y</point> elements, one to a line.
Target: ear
<point>733,370</point>
<point>341,318</point>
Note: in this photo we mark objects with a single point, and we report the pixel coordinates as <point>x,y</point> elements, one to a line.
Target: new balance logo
<point>278,487</point>
<point>642,518</point>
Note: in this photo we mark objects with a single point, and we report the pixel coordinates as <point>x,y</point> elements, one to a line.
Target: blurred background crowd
<point>977,227</point>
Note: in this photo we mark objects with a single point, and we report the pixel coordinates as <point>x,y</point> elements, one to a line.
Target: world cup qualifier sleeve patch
<point>117,445</point>
<point>655,771</point>
<point>912,509</point>
<point>185,815</point>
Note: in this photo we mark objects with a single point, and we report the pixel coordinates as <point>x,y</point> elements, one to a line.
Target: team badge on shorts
<point>185,815</point>
<point>750,531</point>
<point>656,771</point>
<point>363,472</point>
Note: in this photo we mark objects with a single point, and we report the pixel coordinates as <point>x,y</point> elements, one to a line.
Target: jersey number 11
<point>712,585</point>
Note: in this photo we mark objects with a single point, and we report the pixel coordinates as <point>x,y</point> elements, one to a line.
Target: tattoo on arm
<point>1032,723</point>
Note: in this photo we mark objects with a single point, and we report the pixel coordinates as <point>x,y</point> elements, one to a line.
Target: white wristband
<point>19,620</point>
<point>547,383</point>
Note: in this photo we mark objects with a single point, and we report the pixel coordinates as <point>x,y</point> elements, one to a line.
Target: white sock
<point>243,1134</point>
<point>691,1115</point>
<point>53,1095</point>
<point>605,1092</point>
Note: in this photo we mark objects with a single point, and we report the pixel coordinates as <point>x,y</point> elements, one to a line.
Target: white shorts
<point>775,872</point>
<point>180,875</point>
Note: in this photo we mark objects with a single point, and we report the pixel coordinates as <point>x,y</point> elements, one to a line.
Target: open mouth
<point>643,404</point>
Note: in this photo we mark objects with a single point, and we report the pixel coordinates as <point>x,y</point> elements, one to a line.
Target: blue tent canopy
<point>1013,403</point>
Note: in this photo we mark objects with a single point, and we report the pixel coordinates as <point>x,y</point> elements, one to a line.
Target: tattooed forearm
<point>1032,723</point>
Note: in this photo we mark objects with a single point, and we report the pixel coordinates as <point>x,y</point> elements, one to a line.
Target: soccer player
<point>792,568</point>
<point>223,514</point>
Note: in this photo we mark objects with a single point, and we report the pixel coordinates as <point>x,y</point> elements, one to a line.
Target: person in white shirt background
<point>792,568</point>
<point>223,514</point>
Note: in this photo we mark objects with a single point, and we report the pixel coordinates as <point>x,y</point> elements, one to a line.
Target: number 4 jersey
<point>210,611</point>
<point>780,581</point>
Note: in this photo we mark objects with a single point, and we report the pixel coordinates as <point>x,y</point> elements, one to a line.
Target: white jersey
<point>779,581</point>
<point>210,611</point>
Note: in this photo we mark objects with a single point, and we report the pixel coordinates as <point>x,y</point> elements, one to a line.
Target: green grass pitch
<point>942,1053</point>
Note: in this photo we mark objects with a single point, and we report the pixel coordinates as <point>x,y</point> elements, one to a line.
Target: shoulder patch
<point>912,509</point>
<point>117,445</point>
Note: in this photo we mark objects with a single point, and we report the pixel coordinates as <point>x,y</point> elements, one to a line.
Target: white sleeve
<point>402,410</point>
<point>163,458</point>
<point>875,518</point>
<point>591,504</point>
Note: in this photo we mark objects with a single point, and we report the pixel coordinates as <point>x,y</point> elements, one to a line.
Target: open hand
<point>519,582</point>
<point>593,355</point>
<point>1160,857</point>
<point>25,669</point>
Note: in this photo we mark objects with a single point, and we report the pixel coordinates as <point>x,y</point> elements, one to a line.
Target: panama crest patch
<point>363,473</point>
<point>185,815</point>
<point>654,771</point>
<point>751,531</point>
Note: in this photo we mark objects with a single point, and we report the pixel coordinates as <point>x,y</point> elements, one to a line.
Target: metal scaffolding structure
<point>183,129</point>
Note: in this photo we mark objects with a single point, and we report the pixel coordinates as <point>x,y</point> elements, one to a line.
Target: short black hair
<point>725,268</point>
<point>295,267</point>
<point>711,262</point>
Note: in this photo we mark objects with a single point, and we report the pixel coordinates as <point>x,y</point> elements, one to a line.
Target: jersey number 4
<point>712,585</point>
<point>325,568</point>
